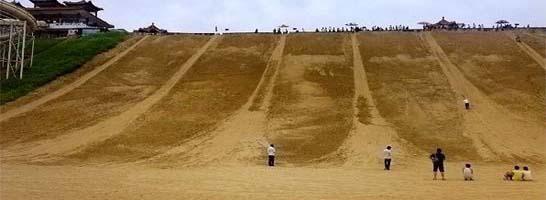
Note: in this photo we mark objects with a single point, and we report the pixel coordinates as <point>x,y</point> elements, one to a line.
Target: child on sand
<point>518,174</point>
<point>468,172</point>
<point>527,174</point>
<point>508,175</point>
<point>514,175</point>
<point>387,155</point>
<point>271,155</point>
<point>466,103</point>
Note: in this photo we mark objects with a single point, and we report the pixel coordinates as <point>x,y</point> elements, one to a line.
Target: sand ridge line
<point>488,125</point>
<point>72,142</point>
<point>239,139</point>
<point>530,51</point>
<point>276,61</point>
<point>62,91</point>
<point>366,141</point>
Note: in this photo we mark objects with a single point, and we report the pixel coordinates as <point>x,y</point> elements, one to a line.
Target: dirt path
<point>62,91</point>
<point>530,51</point>
<point>488,125</point>
<point>239,140</point>
<point>71,142</point>
<point>365,143</point>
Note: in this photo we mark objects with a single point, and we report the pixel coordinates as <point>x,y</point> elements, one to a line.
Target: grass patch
<point>55,58</point>
<point>43,44</point>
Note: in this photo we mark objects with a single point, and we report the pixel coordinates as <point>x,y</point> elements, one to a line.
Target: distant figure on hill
<point>466,103</point>
<point>387,155</point>
<point>271,155</point>
<point>438,163</point>
<point>527,174</point>
<point>468,172</point>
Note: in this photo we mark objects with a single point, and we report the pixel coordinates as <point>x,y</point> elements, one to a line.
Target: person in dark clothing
<point>438,163</point>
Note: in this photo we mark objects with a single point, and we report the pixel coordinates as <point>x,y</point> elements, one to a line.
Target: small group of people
<point>439,157</point>
<point>518,175</point>
<point>330,29</point>
<point>437,161</point>
<point>279,31</point>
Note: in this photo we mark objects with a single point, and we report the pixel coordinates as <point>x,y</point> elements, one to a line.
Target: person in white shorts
<point>468,172</point>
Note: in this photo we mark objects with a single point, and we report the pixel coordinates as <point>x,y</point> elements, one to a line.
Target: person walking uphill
<point>438,163</point>
<point>387,155</point>
<point>271,155</point>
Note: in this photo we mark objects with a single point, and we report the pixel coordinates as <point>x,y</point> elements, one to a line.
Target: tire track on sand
<point>488,125</point>
<point>72,142</point>
<point>62,91</point>
<point>530,51</point>
<point>366,142</point>
<point>240,139</point>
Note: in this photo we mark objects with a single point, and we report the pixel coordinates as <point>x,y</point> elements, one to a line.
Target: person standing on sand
<point>466,103</point>
<point>518,174</point>
<point>438,163</point>
<point>468,172</point>
<point>387,155</point>
<point>527,174</point>
<point>271,155</point>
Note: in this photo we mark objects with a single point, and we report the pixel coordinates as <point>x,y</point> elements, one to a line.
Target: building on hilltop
<point>68,18</point>
<point>151,30</point>
<point>443,24</point>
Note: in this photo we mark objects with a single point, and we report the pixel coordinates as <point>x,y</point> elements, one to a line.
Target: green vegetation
<point>54,58</point>
<point>43,44</point>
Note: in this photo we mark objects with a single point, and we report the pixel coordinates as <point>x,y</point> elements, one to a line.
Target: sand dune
<point>180,117</point>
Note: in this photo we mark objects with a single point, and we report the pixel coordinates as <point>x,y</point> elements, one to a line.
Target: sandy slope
<point>366,141</point>
<point>240,139</point>
<point>68,143</point>
<point>142,153</point>
<point>530,51</point>
<point>488,124</point>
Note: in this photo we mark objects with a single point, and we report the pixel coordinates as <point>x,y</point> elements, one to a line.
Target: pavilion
<point>151,30</point>
<point>68,18</point>
<point>444,24</point>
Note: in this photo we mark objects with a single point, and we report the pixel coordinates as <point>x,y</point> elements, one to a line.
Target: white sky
<point>247,15</point>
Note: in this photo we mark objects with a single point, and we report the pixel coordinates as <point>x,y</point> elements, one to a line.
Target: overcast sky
<point>246,15</point>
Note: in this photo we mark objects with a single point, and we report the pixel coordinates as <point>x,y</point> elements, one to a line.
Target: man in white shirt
<point>271,155</point>
<point>387,155</point>
<point>466,103</point>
